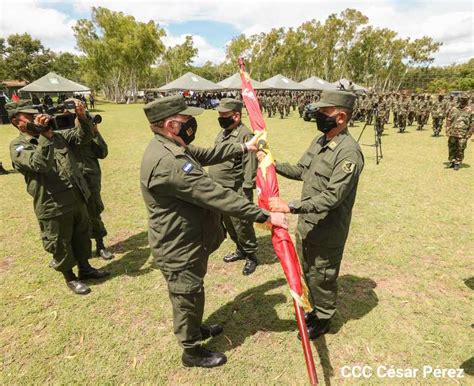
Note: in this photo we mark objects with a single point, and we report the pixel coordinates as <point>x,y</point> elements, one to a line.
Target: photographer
<point>88,155</point>
<point>58,189</point>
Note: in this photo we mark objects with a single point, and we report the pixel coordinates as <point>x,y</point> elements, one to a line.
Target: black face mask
<point>325,123</point>
<point>225,122</point>
<point>188,130</point>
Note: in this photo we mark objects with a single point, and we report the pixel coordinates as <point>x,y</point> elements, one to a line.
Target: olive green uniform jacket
<point>185,205</point>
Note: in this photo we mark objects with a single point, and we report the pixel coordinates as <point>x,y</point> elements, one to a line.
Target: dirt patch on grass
<point>5,264</point>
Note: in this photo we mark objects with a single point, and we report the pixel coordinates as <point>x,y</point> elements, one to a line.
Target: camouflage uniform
<point>422,112</point>
<point>380,115</point>
<point>438,112</point>
<point>281,106</point>
<point>411,110</point>
<point>459,128</point>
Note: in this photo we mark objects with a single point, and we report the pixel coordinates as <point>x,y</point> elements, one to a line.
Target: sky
<point>214,23</point>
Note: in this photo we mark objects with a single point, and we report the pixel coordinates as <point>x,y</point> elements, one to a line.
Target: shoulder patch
<point>187,167</point>
<point>348,167</point>
<point>19,148</point>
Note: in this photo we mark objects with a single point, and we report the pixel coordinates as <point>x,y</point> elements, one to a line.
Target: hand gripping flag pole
<point>267,186</point>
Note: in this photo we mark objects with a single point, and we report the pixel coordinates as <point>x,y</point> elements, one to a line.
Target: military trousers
<point>242,232</point>
<point>437,124</point>
<point>186,293</point>
<point>456,147</point>
<point>95,207</point>
<point>66,237</point>
<point>320,265</point>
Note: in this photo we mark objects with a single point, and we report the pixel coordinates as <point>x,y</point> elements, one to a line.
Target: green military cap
<point>229,104</point>
<point>162,108</point>
<point>332,98</point>
<point>24,106</point>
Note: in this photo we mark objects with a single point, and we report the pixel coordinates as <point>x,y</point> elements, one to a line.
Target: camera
<point>60,120</point>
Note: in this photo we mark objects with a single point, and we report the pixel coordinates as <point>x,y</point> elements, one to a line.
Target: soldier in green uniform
<point>301,105</point>
<point>185,207</point>
<point>438,112</point>
<point>422,109</point>
<point>330,171</point>
<point>380,109</point>
<point>89,155</point>
<point>270,105</point>
<point>237,174</point>
<point>459,128</point>
<point>287,104</point>
<point>403,108</point>
<point>395,104</point>
<point>411,110</point>
<point>59,191</point>
<point>281,105</point>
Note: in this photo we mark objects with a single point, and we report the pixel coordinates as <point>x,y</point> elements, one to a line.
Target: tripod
<point>378,136</point>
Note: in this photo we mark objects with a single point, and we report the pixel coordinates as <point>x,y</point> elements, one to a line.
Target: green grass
<point>403,298</point>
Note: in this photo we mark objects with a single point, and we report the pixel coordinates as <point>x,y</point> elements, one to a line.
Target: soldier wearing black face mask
<point>185,206</point>
<point>237,174</point>
<point>330,170</point>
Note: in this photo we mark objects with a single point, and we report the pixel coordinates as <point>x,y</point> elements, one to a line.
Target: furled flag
<point>267,186</point>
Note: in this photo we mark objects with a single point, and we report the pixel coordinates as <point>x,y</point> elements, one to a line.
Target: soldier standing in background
<point>403,107</point>
<point>422,110</point>
<point>380,109</point>
<point>89,155</point>
<point>459,128</point>
<point>396,109</point>
<point>438,112</point>
<point>411,110</point>
<point>238,174</point>
<point>59,191</point>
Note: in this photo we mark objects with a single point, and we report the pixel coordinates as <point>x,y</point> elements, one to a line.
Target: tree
<point>25,58</point>
<point>177,60</point>
<point>67,65</point>
<point>119,50</point>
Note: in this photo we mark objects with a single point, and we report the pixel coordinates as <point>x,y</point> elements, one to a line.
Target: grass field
<point>406,281</point>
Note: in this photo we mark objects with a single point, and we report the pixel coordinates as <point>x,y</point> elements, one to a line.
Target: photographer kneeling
<point>59,191</point>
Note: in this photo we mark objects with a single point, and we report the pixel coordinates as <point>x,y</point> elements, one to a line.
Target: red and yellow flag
<point>267,186</point>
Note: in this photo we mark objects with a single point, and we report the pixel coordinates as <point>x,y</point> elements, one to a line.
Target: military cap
<point>332,98</point>
<point>229,104</point>
<point>24,106</point>
<point>162,108</point>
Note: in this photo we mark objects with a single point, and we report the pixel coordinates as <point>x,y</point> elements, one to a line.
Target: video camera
<point>60,120</point>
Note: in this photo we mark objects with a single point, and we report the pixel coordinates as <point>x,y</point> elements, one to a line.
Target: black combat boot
<point>101,251</point>
<point>234,256</point>
<point>456,166</point>
<point>315,326</point>
<point>450,165</point>
<point>86,271</point>
<point>76,286</point>
<point>198,356</point>
<point>250,265</point>
<point>2,170</point>
<point>211,331</point>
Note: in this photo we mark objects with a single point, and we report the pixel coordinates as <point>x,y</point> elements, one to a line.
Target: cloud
<point>52,27</point>
<point>206,51</point>
<point>447,21</point>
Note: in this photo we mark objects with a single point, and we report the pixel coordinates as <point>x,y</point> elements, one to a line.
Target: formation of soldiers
<point>283,102</point>
<point>406,110</point>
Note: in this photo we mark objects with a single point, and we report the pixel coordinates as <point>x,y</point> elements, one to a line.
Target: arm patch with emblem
<point>187,167</point>
<point>348,167</point>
